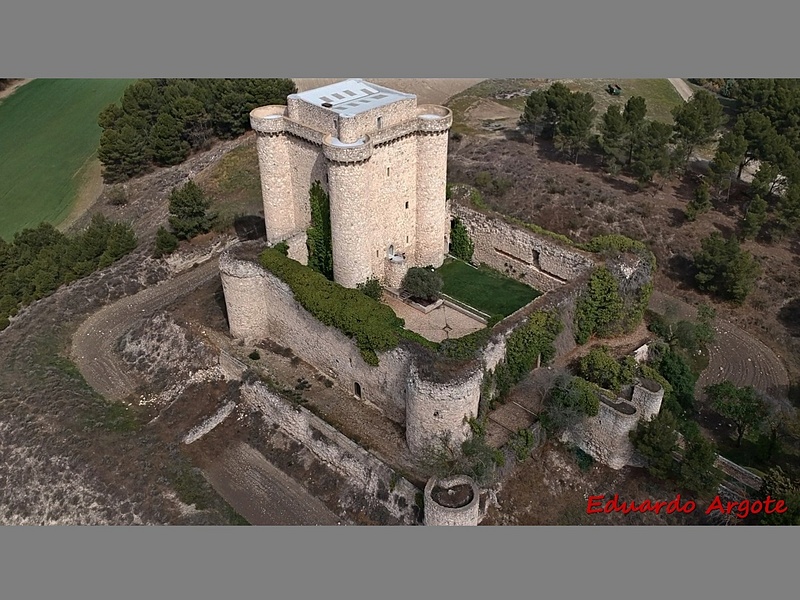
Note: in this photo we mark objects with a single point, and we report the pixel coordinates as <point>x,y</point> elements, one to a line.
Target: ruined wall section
<point>434,409</point>
<point>605,437</point>
<point>544,263</point>
<point>369,476</point>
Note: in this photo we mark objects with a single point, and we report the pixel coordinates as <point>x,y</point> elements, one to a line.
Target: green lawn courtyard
<point>485,289</point>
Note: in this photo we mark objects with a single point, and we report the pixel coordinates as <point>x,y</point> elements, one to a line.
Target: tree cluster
<point>39,260</point>
<point>561,115</point>
<point>767,131</point>
<point>626,139</point>
<point>742,405</point>
<point>161,121</point>
<point>657,441</point>
<point>724,268</point>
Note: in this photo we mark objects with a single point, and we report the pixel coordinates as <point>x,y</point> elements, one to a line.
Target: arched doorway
<point>357,389</point>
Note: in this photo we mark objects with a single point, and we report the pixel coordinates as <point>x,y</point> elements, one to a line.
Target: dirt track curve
<point>734,355</point>
<point>95,342</point>
<point>682,88</point>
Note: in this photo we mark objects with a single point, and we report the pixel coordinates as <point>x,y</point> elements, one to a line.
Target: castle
<point>381,158</point>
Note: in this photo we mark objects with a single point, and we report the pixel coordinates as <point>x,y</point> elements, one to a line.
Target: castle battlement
<point>382,160</point>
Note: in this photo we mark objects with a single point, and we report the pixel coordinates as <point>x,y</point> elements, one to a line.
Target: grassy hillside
<point>48,134</point>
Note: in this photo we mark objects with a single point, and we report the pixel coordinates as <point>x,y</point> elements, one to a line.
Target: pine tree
<point>755,218</point>
<point>189,211</point>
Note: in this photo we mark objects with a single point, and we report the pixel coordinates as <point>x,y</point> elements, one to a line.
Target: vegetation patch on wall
<point>319,237</point>
<point>372,325</point>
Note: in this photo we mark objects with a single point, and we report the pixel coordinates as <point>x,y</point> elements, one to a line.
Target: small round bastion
<point>452,501</point>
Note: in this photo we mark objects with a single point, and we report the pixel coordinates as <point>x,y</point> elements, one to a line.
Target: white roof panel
<point>352,96</point>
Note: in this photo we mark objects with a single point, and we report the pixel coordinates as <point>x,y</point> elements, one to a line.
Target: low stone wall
<point>380,484</point>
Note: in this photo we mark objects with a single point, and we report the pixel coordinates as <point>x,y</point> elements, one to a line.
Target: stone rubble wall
<point>378,482</point>
<point>542,262</point>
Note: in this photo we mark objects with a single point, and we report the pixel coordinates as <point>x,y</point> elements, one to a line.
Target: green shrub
<point>371,288</point>
<point>461,246</point>
<point>166,243</point>
<point>422,283</point>
<point>318,236</point>
<point>603,369</point>
<point>189,211</point>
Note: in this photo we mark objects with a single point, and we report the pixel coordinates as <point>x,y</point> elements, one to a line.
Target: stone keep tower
<point>381,158</point>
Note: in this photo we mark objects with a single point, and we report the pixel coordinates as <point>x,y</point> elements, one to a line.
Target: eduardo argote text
<point>742,509</point>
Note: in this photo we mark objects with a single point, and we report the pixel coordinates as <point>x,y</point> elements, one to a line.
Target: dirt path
<point>682,88</point>
<point>734,355</point>
<point>94,343</point>
<point>260,492</point>
<point>13,88</point>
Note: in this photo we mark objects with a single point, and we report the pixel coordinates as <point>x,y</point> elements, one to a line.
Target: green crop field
<point>48,135</point>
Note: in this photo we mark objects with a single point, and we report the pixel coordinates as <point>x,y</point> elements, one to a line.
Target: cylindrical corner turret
<point>647,397</point>
<point>351,213</point>
<point>437,409</point>
<point>243,286</point>
<point>454,501</point>
<point>432,235</point>
<point>274,163</point>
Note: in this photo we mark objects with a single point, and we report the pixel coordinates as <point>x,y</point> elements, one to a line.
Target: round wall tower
<point>437,409</point>
<point>275,168</point>
<point>453,501</point>
<point>433,123</point>
<point>647,397</point>
<point>351,213</point>
<point>243,287</point>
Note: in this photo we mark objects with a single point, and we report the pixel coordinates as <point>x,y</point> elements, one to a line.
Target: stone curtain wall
<point>264,307</point>
<point>605,437</point>
<point>379,484</point>
<point>545,263</point>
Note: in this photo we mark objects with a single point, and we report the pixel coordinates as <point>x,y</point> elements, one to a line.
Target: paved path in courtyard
<point>440,324</point>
